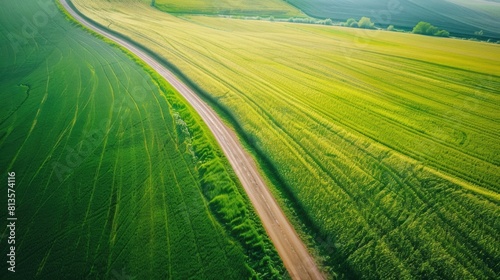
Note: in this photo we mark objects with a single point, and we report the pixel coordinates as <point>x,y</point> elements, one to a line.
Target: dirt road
<point>291,249</point>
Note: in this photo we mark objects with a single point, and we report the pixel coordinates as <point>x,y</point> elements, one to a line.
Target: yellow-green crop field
<point>276,8</point>
<point>383,144</point>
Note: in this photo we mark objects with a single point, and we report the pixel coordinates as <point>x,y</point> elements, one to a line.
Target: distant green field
<point>114,172</point>
<point>384,144</point>
<point>460,17</point>
<point>489,7</point>
<point>276,8</point>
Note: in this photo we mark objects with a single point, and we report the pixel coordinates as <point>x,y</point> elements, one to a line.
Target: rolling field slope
<point>111,165</point>
<point>384,145</point>
<point>490,7</point>
<point>461,18</point>
<point>277,8</point>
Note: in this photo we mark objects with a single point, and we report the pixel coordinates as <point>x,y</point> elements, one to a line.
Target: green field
<point>382,146</point>
<point>491,8</point>
<point>116,176</point>
<point>461,17</point>
<point>277,8</point>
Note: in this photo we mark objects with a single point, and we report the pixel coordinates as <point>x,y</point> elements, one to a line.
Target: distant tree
<point>328,21</point>
<point>390,28</point>
<point>304,20</point>
<point>350,21</point>
<point>426,28</point>
<point>271,18</point>
<point>442,33</point>
<point>366,23</point>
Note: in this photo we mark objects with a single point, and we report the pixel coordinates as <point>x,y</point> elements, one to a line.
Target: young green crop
<point>385,144</point>
<point>461,17</point>
<point>105,156</point>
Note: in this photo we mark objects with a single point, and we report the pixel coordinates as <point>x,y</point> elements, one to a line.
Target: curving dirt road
<point>291,249</point>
